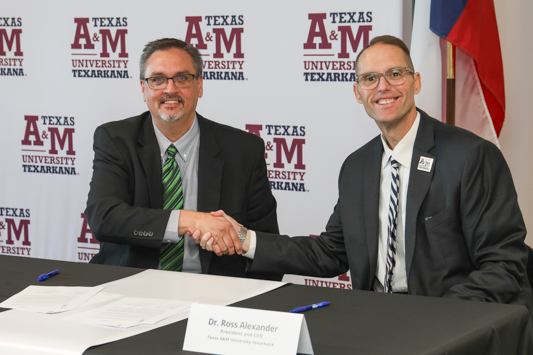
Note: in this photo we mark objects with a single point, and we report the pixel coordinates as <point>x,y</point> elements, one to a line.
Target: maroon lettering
<point>86,231</point>
<point>82,32</point>
<point>317,20</point>
<point>347,34</point>
<point>254,129</point>
<point>235,35</point>
<point>55,137</point>
<point>9,41</point>
<point>85,256</point>
<point>120,36</point>
<point>344,277</point>
<point>17,232</point>
<point>31,130</point>
<point>296,147</point>
<point>195,32</point>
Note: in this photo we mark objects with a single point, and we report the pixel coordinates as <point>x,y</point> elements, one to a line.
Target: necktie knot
<point>394,164</point>
<point>171,151</point>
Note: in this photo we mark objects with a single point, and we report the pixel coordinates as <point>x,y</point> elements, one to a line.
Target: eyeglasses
<point>394,76</point>
<point>180,80</point>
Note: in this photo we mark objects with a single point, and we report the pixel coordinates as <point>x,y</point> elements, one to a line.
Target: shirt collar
<point>183,145</point>
<point>403,152</point>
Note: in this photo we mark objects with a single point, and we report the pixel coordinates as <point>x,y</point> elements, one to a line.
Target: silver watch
<point>242,234</point>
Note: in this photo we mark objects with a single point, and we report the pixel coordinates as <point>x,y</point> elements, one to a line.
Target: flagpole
<point>450,85</point>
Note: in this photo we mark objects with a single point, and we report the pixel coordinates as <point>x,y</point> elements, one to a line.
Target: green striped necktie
<point>171,257</point>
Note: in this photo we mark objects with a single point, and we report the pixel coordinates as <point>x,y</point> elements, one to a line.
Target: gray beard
<point>172,117</point>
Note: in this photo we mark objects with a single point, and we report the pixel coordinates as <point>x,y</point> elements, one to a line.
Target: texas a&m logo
<point>332,44</point>
<point>99,47</point>
<point>48,145</point>
<point>219,39</point>
<point>88,246</point>
<point>284,145</point>
<point>11,54</point>
<point>15,231</point>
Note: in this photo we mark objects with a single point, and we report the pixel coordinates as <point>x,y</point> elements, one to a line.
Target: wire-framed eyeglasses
<point>180,80</point>
<point>394,76</point>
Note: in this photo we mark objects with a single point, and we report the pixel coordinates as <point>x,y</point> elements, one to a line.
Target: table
<point>356,322</point>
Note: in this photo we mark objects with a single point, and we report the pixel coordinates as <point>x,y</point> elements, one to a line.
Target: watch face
<point>242,234</point>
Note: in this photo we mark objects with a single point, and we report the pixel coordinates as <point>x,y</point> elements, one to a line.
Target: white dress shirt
<point>402,153</point>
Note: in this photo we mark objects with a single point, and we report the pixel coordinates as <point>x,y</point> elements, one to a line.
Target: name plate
<point>242,331</point>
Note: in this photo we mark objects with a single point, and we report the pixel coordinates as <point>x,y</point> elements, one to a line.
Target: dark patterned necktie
<point>393,222</point>
<point>171,257</point>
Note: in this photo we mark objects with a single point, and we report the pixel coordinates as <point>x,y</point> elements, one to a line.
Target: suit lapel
<point>419,183</point>
<point>371,203</point>
<point>210,170</point>
<point>150,157</point>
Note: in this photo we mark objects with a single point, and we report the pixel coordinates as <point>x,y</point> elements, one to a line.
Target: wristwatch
<point>242,234</point>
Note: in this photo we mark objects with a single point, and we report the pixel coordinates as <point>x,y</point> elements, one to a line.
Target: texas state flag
<point>471,26</point>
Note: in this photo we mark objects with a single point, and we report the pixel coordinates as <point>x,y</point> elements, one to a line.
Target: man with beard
<point>157,174</point>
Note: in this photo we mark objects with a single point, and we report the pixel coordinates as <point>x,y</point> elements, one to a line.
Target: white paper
<point>25,333</point>
<point>99,300</point>
<point>131,311</point>
<point>242,331</point>
<point>50,299</point>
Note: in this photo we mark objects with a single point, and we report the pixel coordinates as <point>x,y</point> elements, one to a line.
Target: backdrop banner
<point>281,70</point>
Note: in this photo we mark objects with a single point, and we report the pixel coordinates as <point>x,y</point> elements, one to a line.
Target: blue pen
<point>311,306</point>
<point>47,276</point>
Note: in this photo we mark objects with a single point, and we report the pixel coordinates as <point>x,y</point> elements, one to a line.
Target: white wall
<point>516,26</point>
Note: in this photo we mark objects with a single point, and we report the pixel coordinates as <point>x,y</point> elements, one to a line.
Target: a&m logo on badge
<point>425,164</point>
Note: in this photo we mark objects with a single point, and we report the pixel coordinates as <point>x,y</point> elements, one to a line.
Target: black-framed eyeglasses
<point>180,80</point>
<point>394,76</point>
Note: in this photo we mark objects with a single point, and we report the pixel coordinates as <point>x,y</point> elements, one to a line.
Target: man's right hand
<point>223,234</point>
<point>206,240</point>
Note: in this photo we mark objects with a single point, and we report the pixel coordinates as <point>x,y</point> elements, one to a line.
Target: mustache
<point>171,97</point>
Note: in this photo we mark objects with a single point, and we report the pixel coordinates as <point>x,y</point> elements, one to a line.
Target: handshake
<point>216,232</point>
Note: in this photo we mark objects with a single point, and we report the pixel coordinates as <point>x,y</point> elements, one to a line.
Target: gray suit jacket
<point>464,232</point>
<point>125,202</point>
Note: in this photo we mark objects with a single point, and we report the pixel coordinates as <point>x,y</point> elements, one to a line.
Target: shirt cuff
<point>171,232</point>
<point>253,242</point>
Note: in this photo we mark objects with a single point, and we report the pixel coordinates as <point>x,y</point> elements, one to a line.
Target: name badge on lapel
<point>425,164</point>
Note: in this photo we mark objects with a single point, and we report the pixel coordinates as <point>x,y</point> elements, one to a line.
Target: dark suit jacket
<point>464,232</point>
<point>125,203</point>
